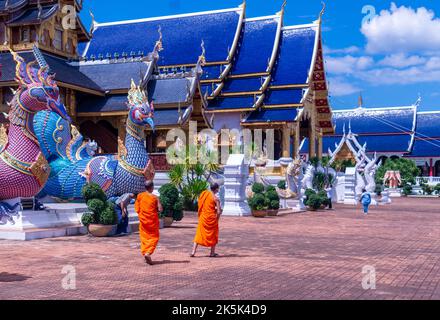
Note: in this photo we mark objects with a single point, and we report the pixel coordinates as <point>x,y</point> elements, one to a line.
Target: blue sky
<point>391,58</point>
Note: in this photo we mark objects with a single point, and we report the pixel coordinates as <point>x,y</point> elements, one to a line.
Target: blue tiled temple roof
<point>12,3</point>
<point>115,76</point>
<point>283,97</point>
<point>243,85</point>
<point>116,103</point>
<point>295,55</point>
<point>257,45</point>
<point>272,115</point>
<point>102,104</point>
<point>182,36</point>
<point>385,130</point>
<point>231,103</point>
<point>393,143</point>
<point>426,148</point>
<point>212,72</point>
<point>64,72</point>
<point>428,125</point>
<point>170,91</point>
<point>427,138</point>
<point>167,117</point>
<point>31,15</point>
<point>380,120</point>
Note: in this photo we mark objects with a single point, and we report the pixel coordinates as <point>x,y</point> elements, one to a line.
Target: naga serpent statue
<point>23,167</point>
<point>72,167</point>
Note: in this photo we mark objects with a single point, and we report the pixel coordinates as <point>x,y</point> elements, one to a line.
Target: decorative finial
<point>94,23</point>
<point>349,127</point>
<point>343,129</point>
<point>419,101</point>
<point>360,101</point>
<point>202,59</point>
<point>323,9</point>
<point>243,5</point>
<point>159,47</point>
<point>202,56</point>
<point>7,3</point>
<point>40,9</point>
<point>283,6</point>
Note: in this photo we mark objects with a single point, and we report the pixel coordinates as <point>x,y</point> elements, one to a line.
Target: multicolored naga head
<point>38,90</point>
<point>140,111</point>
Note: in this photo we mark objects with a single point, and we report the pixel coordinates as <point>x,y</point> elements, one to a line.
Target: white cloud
<point>402,60</point>
<point>338,87</point>
<point>391,76</point>
<point>348,50</point>
<point>403,29</point>
<point>348,64</point>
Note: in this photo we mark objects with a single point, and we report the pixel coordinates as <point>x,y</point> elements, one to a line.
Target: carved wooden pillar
<point>286,141</point>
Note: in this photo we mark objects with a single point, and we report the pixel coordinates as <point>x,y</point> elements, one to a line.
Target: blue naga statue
<point>72,162</point>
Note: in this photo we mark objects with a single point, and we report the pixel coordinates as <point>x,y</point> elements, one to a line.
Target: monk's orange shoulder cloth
<point>207,230</point>
<point>146,208</point>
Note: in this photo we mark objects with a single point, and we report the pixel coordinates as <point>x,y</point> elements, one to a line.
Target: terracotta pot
<point>259,213</point>
<point>311,209</point>
<point>100,230</point>
<point>272,213</point>
<point>167,222</point>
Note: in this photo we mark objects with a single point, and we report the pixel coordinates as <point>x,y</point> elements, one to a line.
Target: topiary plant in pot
<point>258,202</point>
<point>101,219</point>
<point>172,204</point>
<point>273,201</point>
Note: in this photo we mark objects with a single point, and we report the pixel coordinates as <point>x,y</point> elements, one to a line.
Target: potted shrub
<point>101,220</point>
<point>273,201</point>
<point>258,202</point>
<point>315,201</point>
<point>172,204</point>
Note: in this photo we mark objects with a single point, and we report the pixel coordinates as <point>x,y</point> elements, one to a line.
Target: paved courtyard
<point>317,255</point>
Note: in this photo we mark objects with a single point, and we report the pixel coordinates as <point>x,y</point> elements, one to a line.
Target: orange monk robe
<point>207,229</point>
<point>146,207</point>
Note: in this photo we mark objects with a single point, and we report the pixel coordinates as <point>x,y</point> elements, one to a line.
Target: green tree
<point>407,168</point>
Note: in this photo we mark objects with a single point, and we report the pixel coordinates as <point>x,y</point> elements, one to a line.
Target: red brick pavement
<point>304,256</point>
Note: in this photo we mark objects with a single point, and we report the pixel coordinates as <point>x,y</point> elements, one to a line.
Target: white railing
<point>432,181</point>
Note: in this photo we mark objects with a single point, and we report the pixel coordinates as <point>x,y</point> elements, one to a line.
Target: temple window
<point>46,37</point>
<point>25,34</point>
<point>69,46</point>
<point>58,40</point>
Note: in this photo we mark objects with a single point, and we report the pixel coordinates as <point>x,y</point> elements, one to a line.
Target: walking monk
<point>209,214</point>
<point>148,206</point>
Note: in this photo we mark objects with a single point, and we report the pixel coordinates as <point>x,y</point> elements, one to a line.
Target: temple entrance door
<point>103,133</point>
